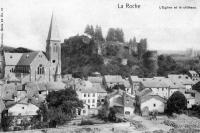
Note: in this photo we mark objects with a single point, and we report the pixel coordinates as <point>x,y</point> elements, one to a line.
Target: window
<point>93,101</point>
<point>154,105</point>
<point>12,70</point>
<point>88,95</point>
<point>84,95</point>
<point>22,107</point>
<point>53,61</point>
<point>40,92</point>
<point>88,100</point>
<point>84,111</point>
<point>102,100</point>
<point>40,69</point>
<point>188,102</point>
<point>93,94</point>
<point>127,113</point>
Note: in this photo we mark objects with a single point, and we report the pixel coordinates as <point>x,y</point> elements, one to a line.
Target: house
<point>158,86</point>
<point>135,82</point>
<point>128,87</point>
<point>23,109</point>
<point>187,83</point>
<point>129,104</point>
<point>112,80</point>
<point>150,103</point>
<point>122,102</point>
<point>8,92</point>
<point>83,111</point>
<point>91,94</point>
<point>194,76</point>
<point>182,79</point>
<point>37,65</point>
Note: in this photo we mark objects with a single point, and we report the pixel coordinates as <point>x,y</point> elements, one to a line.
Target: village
<point>110,102</point>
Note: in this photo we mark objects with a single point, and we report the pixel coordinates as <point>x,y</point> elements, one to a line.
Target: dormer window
<point>11,56</point>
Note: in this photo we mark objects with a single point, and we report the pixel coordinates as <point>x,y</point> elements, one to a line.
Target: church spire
<point>53,34</point>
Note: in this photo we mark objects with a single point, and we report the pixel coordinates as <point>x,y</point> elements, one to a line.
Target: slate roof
<point>27,58</point>
<point>113,78</point>
<point>92,88</point>
<point>55,86</point>
<point>95,79</point>
<point>193,72</point>
<point>144,92</point>
<point>148,97</point>
<point>153,83</point>
<point>135,79</point>
<point>181,79</point>
<point>12,58</point>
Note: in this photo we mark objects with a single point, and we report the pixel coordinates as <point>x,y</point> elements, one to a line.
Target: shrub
<point>176,103</point>
<point>86,122</point>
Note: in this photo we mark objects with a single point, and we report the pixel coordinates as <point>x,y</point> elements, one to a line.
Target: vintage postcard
<point>100,66</point>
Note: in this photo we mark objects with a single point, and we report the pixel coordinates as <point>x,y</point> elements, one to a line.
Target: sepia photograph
<point>100,66</point>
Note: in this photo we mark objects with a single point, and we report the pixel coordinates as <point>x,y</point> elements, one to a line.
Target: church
<point>36,66</point>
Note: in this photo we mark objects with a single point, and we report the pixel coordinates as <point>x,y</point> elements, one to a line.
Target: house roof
<point>127,83</point>
<point>27,58</point>
<point>128,100</point>
<point>181,78</point>
<point>89,87</point>
<point>55,86</point>
<point>12,58</point>
<point>154,83</point>
<point>135,79</point>
<point>144,92</point>
<point>192,72</point>
<point>95,79</point>
<point>113,78</point>
<point>148,97</point>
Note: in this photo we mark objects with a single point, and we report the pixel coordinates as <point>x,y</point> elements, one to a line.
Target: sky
<point>26,22</point>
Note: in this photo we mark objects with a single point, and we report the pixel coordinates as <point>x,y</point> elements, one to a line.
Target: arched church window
<point>40,69</point>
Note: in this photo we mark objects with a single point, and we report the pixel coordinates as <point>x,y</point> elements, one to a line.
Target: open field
<point>180,124</point>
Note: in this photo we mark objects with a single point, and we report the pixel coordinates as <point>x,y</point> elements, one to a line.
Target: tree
<point>176,103</point>
<point>61,106</point>
<point>115,35</point>
<point>98,34</point>
<point>150,63</point>
<point>89,30</point>
<point>142,48</point>
<point>112,115</point>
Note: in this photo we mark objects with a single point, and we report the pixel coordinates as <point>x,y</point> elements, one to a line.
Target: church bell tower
<point>53,50</point>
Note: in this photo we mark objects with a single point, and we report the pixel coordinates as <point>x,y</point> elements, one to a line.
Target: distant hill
<point>17,50</point>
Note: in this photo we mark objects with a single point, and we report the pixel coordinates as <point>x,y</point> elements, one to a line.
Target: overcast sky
<point>27,21</point>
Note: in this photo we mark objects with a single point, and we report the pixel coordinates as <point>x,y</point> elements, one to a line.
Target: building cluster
<point>27,78</point>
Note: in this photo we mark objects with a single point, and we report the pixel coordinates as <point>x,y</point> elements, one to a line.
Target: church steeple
<point>53,49</point>
<point>53,31</point>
